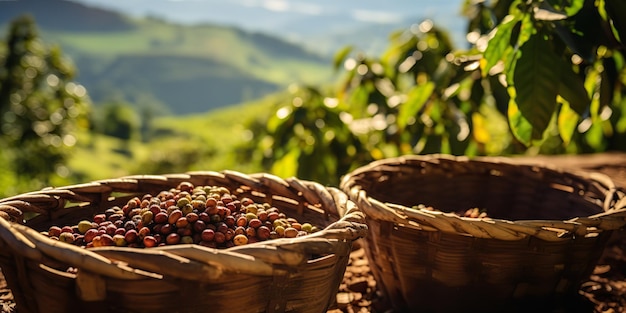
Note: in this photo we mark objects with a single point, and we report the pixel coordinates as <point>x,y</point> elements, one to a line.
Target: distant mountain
<point>181,69</point>
<point>61,15</point>
<point>322,26</point>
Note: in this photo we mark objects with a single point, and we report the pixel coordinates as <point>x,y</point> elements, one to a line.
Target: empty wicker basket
<point>283,275</point>
<point>543,234</point>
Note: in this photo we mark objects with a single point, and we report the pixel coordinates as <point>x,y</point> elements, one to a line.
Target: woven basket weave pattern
<point>545,232</point>
<point>283,275</point>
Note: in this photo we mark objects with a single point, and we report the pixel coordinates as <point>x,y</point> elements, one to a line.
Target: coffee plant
<point>536,77</point>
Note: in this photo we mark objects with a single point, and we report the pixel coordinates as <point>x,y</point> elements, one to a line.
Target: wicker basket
<point>544,232</point>
<point>283,275</point>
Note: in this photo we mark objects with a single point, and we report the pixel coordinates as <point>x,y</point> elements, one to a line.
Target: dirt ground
<point>604,291</point>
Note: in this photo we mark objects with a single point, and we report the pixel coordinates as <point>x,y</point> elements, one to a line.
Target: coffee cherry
<point>307,227</point>
<point>242,221</point>
<point>89,234</point>
<point>240,240</point>
<point>229,221</point>
<point>84,226</point>
<point>131,236</point>
<point>263,233</point>
<point>149,241</point>
<point>99,218</point>
<point>110,229</point>
<point>119,240</point>
<point>161,218</point>
<point>208,235</point>
<point>182,222</point>
<point>192,217</point>
<point>280,230</point>
<point>106,240</point>
<point>54,231</point>
<point>291,232</point>
<point>219,237</point>
<point>166,229</point>
<point>66,237</point>
<point>172,239</point>
<point>296,225</point>
<point>186,240</point>
<point>174,216</point>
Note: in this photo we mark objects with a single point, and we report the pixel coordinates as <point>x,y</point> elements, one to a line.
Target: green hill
<point>65,15</point>
<point>171,68</point>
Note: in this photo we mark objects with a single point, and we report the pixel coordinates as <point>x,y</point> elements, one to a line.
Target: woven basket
<point>283,275</point>
<point>544,232</point>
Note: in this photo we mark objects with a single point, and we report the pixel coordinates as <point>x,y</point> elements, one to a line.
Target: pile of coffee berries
<point>206,215</point>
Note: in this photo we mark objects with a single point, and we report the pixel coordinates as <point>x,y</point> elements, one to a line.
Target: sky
<point>242,12</point>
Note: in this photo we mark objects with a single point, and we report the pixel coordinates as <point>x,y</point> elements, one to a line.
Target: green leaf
<point>527,30</point>
<point>616,10</point>
<point>498,44</point>
<point>521,128</point>
<point>574,7</point>
<point>606,90</point>
<point>417,97</point>
<point>572,89</point>
<point>340,56</point>
<point>536,82</point>
<point>287,166</point>
<point>595,136</point>
<point>567,121</point>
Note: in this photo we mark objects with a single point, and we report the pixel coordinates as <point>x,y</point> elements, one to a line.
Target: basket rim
<point>613,217</point>
<point>265,258</point>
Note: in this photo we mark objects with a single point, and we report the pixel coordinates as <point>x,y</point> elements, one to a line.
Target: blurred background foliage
<point>536,77</point>
<point>41,110</point>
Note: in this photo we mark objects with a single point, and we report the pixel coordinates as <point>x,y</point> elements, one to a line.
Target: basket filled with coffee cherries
<point>191,242</point>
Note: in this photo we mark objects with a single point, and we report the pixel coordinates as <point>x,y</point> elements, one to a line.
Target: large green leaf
<point>536,82</point>
<point>417,97</point>
<point>572,89</point>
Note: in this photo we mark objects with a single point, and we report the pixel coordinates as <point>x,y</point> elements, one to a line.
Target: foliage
<point>419,97</point>
<point>119,120</point>
<point>562,63</point>
<point>41,108</point>
<point>539,76</point>
<point>307,130</point>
